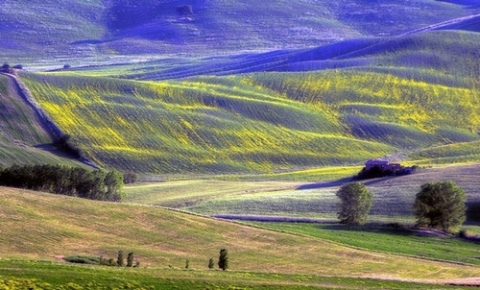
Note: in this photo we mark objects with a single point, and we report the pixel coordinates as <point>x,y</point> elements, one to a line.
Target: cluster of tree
<point>72,181</point>
<point>10,69</point>
<point>120,262</point>
<point>439,205</point>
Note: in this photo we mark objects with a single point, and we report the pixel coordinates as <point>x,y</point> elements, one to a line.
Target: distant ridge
<point>469,23</point>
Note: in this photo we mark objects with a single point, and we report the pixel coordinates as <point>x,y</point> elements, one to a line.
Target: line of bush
<point>72,181</point>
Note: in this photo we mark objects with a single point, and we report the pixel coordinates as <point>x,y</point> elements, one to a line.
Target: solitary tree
<point>223,259</point>
<point>440,205</point>
<point>355,203</point>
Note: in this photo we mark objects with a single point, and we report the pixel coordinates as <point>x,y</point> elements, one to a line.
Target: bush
<point>120,259</point>
<point>130,177</point>
<point>83,260</point>
<point>130,259</point>
<point>211,264</point>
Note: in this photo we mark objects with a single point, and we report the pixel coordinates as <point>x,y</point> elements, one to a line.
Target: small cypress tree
<point>187,264</point>
<point>211,264</point>
<point>223,259</point>
<point>120,259</point>
<point>130,259</point>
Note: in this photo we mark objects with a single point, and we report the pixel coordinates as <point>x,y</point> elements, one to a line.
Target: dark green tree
<point>223,259</point>
<point>440,205</point>
<point>211,264</point>
<point>185,10</point>
<point>120,259</point>
<point>187,264</point>
<point>130,259</point>
<point>355,203</point>
<point>113,182</point>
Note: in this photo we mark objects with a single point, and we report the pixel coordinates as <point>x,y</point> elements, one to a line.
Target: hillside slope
<point>398,94</point>
<point>55,32</point>
<point>23,139</point>
<point>42,226</point>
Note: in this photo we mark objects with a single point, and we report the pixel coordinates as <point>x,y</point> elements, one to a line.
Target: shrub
<point>211,264</point>
<point>84,260</point>
<point>130,259</point>
<point>129,177</point>
<point>120,259</point>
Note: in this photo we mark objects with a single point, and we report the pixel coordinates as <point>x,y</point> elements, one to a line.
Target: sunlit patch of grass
<point>195,126</point>
<point>43,226</point>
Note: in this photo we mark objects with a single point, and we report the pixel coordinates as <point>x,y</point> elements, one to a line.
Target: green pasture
<point>54,275</point>
<point>393,196</point>
<point>46,227</point>
<point>386,239</point>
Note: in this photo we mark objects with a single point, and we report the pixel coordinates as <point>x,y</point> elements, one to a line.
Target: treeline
<point>71,181</point>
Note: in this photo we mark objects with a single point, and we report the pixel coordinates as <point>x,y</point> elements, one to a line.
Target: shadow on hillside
<point>324,184</point>
<point>374,227</point>
<point>50,148</point>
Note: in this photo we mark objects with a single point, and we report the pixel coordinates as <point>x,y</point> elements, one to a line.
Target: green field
<point>393,197</point>
<point>382,238</point>
<point>49,275</point>
<point>22,138</point>
<point>40,227</point>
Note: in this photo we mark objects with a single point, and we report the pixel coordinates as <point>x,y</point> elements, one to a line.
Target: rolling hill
<point>411,90</point>
<point>44,226</point>
<point>51,33</point>
<point>23,138</point>
<point>276,111</point>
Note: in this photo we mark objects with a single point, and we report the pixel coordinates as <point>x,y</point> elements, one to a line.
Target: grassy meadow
<point>262,122</point>
<point>22,137</point>
<point>101,31</point>
<point>393,197</point>
<point>45,228</point>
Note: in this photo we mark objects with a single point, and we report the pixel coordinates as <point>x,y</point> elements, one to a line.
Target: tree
<point>440,205</point>
<point>187,264</point>
<point>223,259</point>
<point>120,259</point>
<point>355,203</point>
<point>130,259</point>
<point>185,10</point>
<point>211,264</point>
